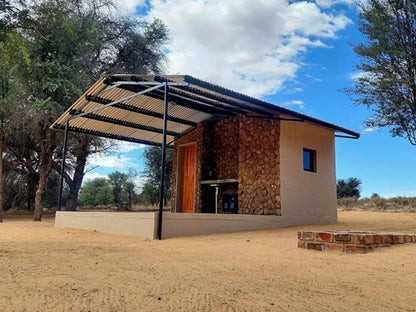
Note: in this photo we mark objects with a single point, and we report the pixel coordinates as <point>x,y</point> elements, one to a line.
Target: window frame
<point>312,160</point>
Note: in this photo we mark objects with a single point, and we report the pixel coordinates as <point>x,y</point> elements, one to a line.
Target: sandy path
<point>48,269</point>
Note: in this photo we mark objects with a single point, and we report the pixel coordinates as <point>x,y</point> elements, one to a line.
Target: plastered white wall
<point>307,197</point>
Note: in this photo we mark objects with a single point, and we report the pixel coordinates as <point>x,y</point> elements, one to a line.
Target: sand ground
<point>48,269</point>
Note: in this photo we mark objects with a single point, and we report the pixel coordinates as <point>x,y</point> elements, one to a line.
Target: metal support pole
<point>61,182</point>
<point>217,186</point>
<point>162,177</point>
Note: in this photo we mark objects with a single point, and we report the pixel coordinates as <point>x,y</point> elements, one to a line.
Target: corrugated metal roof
<point>139,118</point>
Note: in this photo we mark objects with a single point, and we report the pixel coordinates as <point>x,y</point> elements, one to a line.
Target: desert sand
<point>49,269</point>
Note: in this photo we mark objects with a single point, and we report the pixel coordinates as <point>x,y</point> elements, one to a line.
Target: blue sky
<point>295,54</point>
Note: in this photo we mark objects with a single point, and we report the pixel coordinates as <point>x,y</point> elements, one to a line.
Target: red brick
<point>387,239</point>
<point>369,239</point>
<point>324,237</point>
<point>343,237</point>
<point>336,247</point>
<point>308,235</point>
<point>377,239</point>
<point>359,239</point>
<point>317,246</point>
<point>398,239</point>
<point>364,239</point>
<point>356,249</point>
<point>301,244</point>
<point>407,238</point>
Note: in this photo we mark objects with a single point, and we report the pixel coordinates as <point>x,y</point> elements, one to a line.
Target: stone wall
<point>259,166</point>
<point>246,149</point>
<point>226,148</point>
<point>225,155</point>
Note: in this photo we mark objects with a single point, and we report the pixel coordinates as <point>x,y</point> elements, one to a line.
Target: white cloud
<point>370,129</point>
<point>330,3</point>
<point>248,46</point>
<point>125,147</point>
<point>313,78</point>
<point>356,75</point>
<point>109,161</point>
<point>298,103</point>
<point>92,176</point>
<point>293,90</point>
<point>128,6</point>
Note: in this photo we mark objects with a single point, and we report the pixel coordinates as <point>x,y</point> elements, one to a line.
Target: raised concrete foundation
<point>136,223</point>
<point>144,224</point>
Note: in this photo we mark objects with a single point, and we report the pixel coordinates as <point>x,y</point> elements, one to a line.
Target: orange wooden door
<point>188,182</point>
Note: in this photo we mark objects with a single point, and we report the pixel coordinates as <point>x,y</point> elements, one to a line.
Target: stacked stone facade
<point>242,148</point>
<point>259,166</point>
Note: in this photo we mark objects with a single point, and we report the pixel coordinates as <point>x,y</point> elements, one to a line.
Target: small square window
<point>309,160</point>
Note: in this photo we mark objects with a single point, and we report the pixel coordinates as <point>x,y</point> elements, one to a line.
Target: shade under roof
<point>117,112</point>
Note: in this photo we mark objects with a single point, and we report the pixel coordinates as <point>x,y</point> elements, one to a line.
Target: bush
<point>347,202</point>
<point>376,202</point>
<point>95,192</point>
<point>380,202</point>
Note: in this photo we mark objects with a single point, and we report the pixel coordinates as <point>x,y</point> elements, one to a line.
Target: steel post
<point>61,182</point>
<point>163,168</point>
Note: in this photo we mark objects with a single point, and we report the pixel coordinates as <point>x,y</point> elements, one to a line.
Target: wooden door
<point>188,181</point>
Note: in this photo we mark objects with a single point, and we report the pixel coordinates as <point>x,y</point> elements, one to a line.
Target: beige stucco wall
<point>189,224</point>
<point>143,224</point>
<point>174,224</point>
<point>307,197</point>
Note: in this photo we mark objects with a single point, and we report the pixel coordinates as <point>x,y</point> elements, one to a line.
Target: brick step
<point>351,241</point>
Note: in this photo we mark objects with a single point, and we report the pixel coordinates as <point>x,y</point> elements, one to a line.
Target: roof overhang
<point>131,108</point>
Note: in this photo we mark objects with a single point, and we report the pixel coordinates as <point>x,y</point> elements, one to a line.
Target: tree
<point>95,192</point>
<point>153,164</point>
<point>117,181</point>
<point>123,187</point>
<point>129,187</point>
<point>388,63</point>
<point>49,198</point>
<point>150,194</point>
<point>71,43</point>
<point>80,147</point>
<point>11,51</point>
<point>348,188</point>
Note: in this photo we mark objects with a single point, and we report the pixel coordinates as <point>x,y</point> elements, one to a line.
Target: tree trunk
<point>44,167</point>
<point>1,174</point>
<point>130,194</point>
<point>32,181</point>
<point>75,183</point>
<point>38,198</point>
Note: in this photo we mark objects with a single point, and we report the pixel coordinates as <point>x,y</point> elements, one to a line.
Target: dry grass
<point>48,269</point>
<point>377,203</point>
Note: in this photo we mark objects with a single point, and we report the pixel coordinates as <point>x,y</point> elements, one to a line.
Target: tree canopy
<point>57,49</point>
<point>97,192</point>
<point>388,64</point>
<point>348,188</point>
<point>153,164</point>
